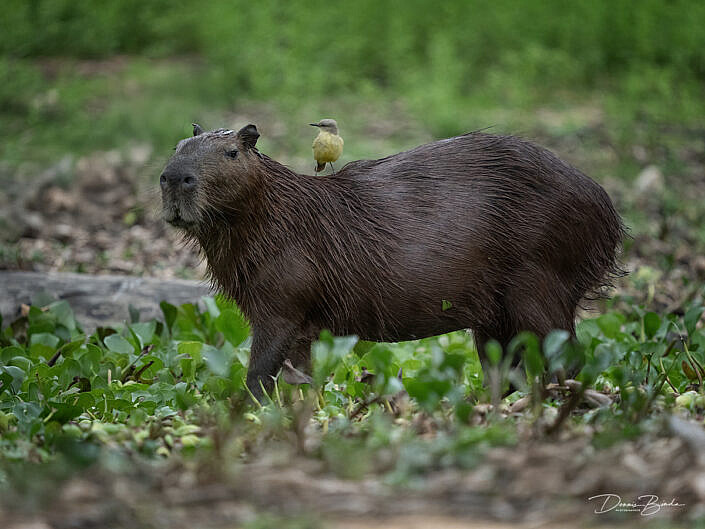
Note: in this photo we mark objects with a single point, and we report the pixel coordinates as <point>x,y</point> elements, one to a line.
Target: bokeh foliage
<point>447,61</point>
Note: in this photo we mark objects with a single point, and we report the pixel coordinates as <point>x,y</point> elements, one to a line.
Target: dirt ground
<point>544,484</point>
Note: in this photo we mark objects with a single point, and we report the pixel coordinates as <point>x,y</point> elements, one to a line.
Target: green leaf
<point>117,343</point>
<point>216,360</point>
<point>652,323</point>
<point>233,326</point>
<point>328,352</point>
<point>90,359</point>
<point>445,305</point>
<point>68,349</point>
<point>9,352</point>
<point>170,312</point>
<point>609,324</point>
<point>27,414</point>
<point>17,376</point>
<point>134,313</point>
<point>192,349</point>
<point>63,313</point>
<point>62,412</point>
<point>144,331</point>
<point>5,382</point>
<point>211,306</point>
<point>493,350</point>
<point>44,338</point>
<point>692,316</point>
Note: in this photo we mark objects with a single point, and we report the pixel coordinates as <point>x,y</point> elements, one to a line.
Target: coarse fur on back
<point>508,235</point>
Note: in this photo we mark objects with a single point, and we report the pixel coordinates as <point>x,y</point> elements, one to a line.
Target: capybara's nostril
<point>176,180</point>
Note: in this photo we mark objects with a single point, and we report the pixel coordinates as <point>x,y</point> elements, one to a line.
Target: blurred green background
<point>614,87</point>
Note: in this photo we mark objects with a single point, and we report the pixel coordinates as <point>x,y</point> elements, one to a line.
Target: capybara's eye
<point>231,154</point>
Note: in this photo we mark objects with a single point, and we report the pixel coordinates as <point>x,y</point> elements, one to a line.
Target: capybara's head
<point>207,174</point>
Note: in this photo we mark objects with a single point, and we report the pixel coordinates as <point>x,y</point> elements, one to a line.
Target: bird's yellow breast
<point>327,147</point>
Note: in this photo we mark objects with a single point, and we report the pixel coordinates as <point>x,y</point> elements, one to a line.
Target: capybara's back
<point>498,230</point>
<point>486,232</point>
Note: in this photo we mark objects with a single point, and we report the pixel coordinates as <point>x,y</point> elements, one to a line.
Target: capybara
<point>487,232</point>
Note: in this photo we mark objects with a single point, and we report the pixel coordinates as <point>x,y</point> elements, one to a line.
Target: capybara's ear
<point>197,129</point>
<point>248,136</point>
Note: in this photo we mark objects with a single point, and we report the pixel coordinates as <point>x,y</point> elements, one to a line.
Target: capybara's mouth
<point>180,222</point>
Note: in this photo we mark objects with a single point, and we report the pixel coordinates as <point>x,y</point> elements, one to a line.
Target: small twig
<point>54,358</point>
<point>57,354</point>
<point>131,368</point>
<point>565,410</point>
<point>364,405</point>
<point>142,370</point>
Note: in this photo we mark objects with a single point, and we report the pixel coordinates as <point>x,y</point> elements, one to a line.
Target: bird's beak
<point>314,124</point>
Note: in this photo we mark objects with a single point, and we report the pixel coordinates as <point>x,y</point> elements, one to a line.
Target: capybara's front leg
<point>271,343</point>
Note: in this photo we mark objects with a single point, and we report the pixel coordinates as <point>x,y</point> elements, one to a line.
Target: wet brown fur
<point>501,228</point>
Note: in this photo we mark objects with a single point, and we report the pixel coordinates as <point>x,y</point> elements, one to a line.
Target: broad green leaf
<point>652,322</point>
<point>216,360</point>
<point>63,313</point>
<point>17,376</point>
<point>692,316</point>
<point>117,343</point>
<point>609,324</point>
<point>170,313</point>
<point>145,331</point>
<point>233,326</point>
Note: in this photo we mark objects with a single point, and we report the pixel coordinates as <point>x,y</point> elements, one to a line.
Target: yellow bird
<point>328,145</point>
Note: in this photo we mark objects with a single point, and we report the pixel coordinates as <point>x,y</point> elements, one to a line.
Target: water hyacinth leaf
<point>586,330</point>
<point>9,352</point>
<point>191,349</point>
<point>144,331</point>
<point>652,323</point>
<point>90,359</point>
<point>692,316</point>
<point>44,338</point>
<point>62,312</point>
<point>27,414</point>
<point>6,380</point>
<point>327,353</point>
<point>67,350</point>
<point>16,377</point>
<point>493,350</point>
<point>134,313</point>
<point>216,360</point>
<point>61,412</point>
<point>533,358</point>
<point>556,349</point>
<point>150,366</point>
<point>170,312</point>
<point>609,324</point>
<point>117,343</point>
<point>233,326</point>
<point>211,306</point>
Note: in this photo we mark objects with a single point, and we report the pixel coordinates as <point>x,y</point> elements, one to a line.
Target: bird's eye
<point>231,154</point>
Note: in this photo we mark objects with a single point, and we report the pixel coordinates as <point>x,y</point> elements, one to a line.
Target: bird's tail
<point>320,166</point>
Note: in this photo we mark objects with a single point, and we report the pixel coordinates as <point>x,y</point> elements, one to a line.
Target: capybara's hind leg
<point>538,301</point>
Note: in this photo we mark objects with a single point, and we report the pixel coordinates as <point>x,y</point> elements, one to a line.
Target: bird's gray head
<point>329,125</point>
